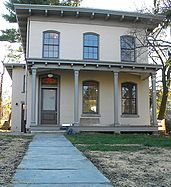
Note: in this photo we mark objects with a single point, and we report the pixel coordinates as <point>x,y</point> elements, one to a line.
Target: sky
<point>124,5</point>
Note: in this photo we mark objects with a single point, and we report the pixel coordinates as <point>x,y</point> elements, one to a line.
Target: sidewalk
<point>52,161</point>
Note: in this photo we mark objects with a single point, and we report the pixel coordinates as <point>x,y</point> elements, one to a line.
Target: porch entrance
<point>49,105</point>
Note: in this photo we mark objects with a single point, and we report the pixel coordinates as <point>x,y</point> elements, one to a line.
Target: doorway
<point>49,99</point>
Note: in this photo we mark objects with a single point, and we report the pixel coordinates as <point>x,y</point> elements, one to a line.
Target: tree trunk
<point>166,84</point>
<point>162,109</point>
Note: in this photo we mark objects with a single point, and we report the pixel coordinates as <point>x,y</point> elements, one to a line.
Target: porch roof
<point>91,65</point>
<point>23,11</point>
<point>9,67</point>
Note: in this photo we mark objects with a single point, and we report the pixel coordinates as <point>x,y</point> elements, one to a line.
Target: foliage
<point>10,35</point>
<point>6,109</point>
<point>11,17</point>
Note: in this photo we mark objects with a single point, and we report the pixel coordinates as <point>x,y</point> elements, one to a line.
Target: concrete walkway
<point>52,160</point>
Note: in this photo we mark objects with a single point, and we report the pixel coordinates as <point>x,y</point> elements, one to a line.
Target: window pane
<point>50,45</point>
<point>90,46</point>
<point>127,48</point>
<point>90,97</point>
<point>129,94</point>
<point>49,99</point>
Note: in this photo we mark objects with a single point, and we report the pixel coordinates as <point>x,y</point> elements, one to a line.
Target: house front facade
<point>84,67</point>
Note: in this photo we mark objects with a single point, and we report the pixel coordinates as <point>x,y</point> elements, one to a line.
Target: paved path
<point>52,161</point>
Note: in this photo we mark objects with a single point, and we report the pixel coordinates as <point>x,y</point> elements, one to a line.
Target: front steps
<point>46,129</point>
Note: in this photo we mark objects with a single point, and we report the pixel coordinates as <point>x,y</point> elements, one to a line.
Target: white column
<point>76,97</point>
<point>33,99</point>
<point>116,97</point>
<point>154,105</point>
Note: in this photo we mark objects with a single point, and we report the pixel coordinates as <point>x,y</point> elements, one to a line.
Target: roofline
<point>23,11</point>
<point>87,10</point>
<point>12,65</point>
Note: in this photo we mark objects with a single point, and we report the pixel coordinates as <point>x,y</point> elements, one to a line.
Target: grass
<point>115,142</point>
<point>10,137</point>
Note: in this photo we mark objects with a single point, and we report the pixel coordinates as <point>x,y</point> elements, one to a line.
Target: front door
<point>49,99</point>
<point>49,106</point>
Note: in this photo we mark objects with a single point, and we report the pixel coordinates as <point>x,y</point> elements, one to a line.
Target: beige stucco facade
<point>71,38</point>
<point>18,97</point>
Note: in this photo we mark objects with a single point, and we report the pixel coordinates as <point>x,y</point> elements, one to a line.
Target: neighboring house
<point>83,67</point>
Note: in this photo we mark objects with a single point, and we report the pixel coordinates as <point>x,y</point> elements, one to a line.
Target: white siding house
<point>84,67</point>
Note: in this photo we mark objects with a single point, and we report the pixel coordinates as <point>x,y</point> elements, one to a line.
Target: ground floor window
<point>129,98</point>
<point>90,97</point>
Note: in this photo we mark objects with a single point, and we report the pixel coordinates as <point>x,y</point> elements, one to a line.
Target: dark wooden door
<point>49,106</point>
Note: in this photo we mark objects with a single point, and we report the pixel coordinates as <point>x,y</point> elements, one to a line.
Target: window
<point>91,46</point>
<point>90,97</point>
<point>50,44</point>
<point>129,98</point>
<point>127,49</point>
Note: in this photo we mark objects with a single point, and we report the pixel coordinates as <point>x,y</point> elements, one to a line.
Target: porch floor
<point>95,128</point>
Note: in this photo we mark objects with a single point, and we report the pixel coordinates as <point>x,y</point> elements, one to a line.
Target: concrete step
<point>46,129</point>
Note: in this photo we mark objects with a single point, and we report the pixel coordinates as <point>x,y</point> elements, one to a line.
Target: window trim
<point>134,115</point>
<point>128,36</point>
<point>98,42</point>
<point>98,99</point>
<point>51,31</point>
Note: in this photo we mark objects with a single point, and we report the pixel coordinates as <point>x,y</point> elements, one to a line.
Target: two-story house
<point>83,67</point>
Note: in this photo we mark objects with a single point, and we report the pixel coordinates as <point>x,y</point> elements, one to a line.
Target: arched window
<point>129,98</point>
<point>91,46</point>
<point>50,44</point>
<point>90,97</point>
<point>127,48</point>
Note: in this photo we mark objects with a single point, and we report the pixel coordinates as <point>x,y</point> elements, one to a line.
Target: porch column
<point>76,97</point>
<point>154,105</point>
<point>33,100</point>
<point>116,113</point>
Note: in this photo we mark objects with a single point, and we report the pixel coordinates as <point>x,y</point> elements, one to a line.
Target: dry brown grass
<point>12,149</point>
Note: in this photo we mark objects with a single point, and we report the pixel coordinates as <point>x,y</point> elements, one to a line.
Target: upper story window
<point>91,46</point>
<point>129,98</point>
<point>90,97</point>
<point>127,48</point>
<point>50,44</point>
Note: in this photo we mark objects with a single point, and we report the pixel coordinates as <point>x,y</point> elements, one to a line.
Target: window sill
<point>130,116</point>
<point>90,115</point>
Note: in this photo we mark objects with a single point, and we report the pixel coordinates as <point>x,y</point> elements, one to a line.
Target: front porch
<point>110,77</point>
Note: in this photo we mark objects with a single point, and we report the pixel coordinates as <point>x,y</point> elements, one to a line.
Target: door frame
<point>57,87</point>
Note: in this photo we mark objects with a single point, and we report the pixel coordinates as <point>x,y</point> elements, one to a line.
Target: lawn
<point>128,160</point>
<point>115,142</point>
<point>12,150</point>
